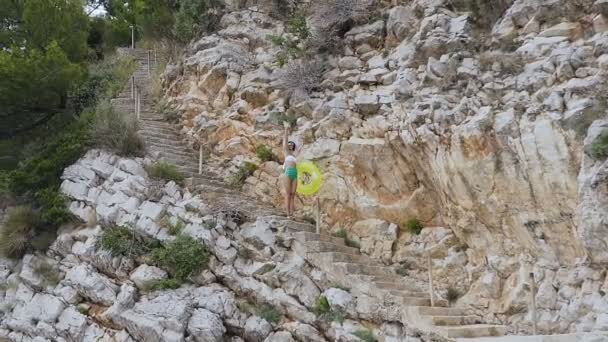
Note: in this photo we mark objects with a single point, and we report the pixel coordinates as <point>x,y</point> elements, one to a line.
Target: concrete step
<point>453,320</point>
<point>308,236</point>
<point>357,268</point>
<point>401,293</point>
<point>472,331</point>
<point>160,135</point>
<point>324,246</point>
<point>440,311</point>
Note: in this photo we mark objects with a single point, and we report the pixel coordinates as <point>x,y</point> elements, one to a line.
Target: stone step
<point>163,142</point>
<point>401,293</point>
<point>160,135</point>
<point>440,311</point>
<point>181,153</point>
<point>453,320</point>
<point>353,258</point>
<point>304,236</point>
<point>324,246</point>
<point>356,268</point>
<point>472,331</point>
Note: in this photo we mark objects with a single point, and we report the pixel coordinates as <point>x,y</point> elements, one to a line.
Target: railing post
<point>148,62</point>
<point>533,301</point>
<point>155,56</point>
<point>318,216</point>
<point>132,87</point>
<point>200,159</point>
<point>430,267</point>
<point>132,36</point>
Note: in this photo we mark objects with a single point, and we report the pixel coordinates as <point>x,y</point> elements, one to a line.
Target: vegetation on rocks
<point>122,241</point>
<point>452,295</point>
<point>49,273</point>
<point>116,131</point>
<point>413,226</point>
<point>182,258</point>
<point>265,154</point>
<point>173,229</point>
<point>165,171</point>
<point>269,313</point>
<point>244,171</point>
<point>599,146</point>
<point>365,335</point>
<point>165,284</point>
<point>17,231</point>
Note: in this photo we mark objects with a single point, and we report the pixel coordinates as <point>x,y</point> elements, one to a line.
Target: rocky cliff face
<point>485,130</point>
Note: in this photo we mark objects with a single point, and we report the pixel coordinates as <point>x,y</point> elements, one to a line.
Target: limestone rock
<point>205,326</point>
<point>146,275</point>
<point>257,329</point>
<point>92,285</point>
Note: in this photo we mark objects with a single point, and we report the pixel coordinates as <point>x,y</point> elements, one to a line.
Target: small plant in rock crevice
<point>173,229</point>
<point>121,241</point>
<point>269,313</point>
<point>340,286</point>
<point>341,233</point>
<point>403,269</point>
<point>452,295</point>
<point>244,171</point>
<point>365,335</point>
<point>322,309</point>
<point>182,258</point>
<point>164,284</point>
<point>414,226</point>
<point>165,171</point>
<point>599,147</point>
<point>265,154</point>
<point>350,242</point>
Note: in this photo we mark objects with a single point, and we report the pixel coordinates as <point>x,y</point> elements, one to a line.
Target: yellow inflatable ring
<point>309,178</point>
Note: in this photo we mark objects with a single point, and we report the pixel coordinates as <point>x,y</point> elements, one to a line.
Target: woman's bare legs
<point>292,195</point>
<point>287,186</point>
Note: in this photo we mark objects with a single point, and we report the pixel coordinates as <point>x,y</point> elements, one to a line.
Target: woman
<point>291,173</point>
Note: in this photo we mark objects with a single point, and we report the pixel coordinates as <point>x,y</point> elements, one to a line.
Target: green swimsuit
<point>292,173</point>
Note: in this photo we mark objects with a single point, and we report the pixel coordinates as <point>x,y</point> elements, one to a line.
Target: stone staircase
<point>402,299</point>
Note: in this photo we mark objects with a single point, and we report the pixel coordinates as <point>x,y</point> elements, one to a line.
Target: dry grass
<point>116,131</point>
<point>300,78</point>
<point>17,231</point>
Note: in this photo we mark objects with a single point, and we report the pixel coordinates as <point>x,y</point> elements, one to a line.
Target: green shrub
<point>334,316</point>
<point>599,146</point>
<point>269,313</point>
<point>165,171</point>
<point>321,306</point>
<point>265,154</point>
<point>116,131</point>
<point>17,231</point>
<point>403,269</point>
<point>452,295</point>
<point>173,229</point>
<point>48,160</point>
<point>309,219</point>
<point>53,210</point>
<point>414,226</point>
<point>121,241</point>
<point>352,243</point>
<point>297,26</point>
<point>182,257</point>
<point>165,284</point>
<point>341,234</point>
<point>245,171</point>
<point>365,335</point>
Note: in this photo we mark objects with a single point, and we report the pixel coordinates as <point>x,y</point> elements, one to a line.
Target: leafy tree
<point>64,22</point>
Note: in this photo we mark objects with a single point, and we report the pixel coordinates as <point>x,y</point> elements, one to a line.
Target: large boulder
<point>91,284</point>
<point>146,275</point>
